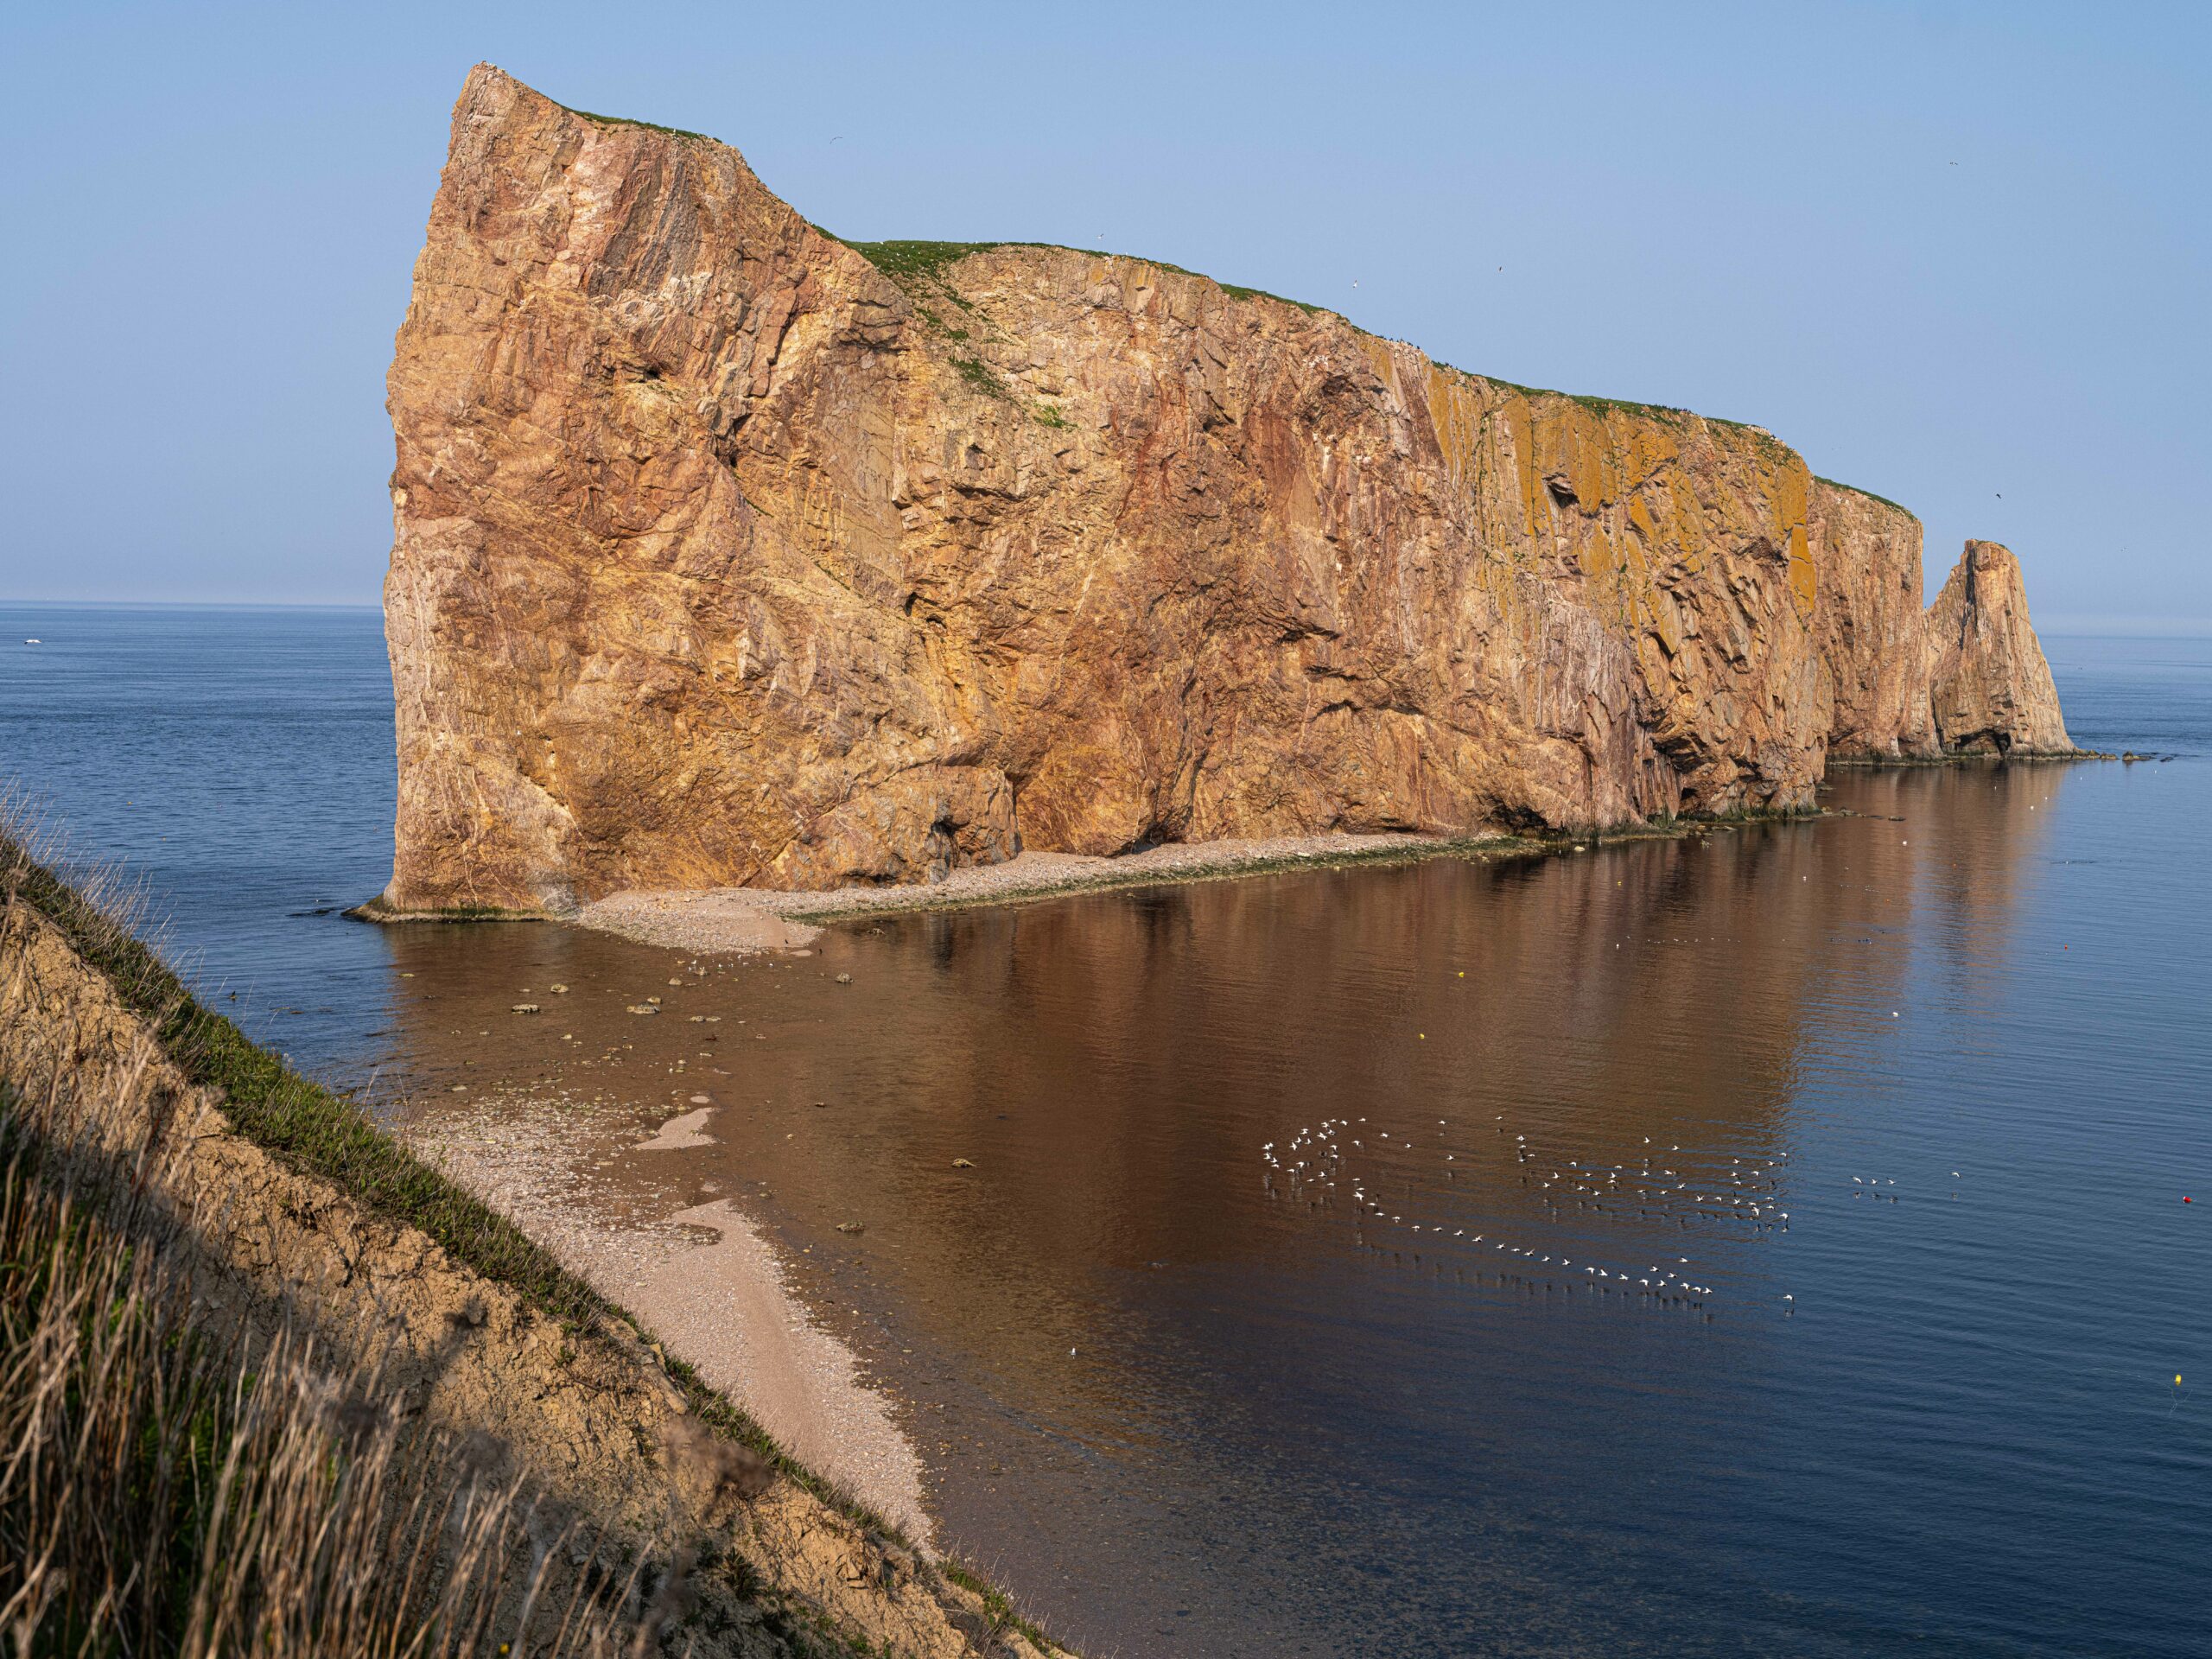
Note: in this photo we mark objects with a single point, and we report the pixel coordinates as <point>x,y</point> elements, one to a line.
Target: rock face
<point>1988,682</point>
<point>1870,627</point>
<point>728,553</point>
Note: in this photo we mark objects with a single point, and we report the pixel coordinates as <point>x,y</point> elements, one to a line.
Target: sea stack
<point>728,553</point>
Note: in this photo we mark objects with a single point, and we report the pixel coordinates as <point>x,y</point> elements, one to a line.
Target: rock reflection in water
<point>1149,1379</point>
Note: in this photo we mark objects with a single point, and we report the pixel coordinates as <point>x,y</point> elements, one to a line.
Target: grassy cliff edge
<point>335,1240</point>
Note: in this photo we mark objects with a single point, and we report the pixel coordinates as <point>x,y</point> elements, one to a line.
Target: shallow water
<point>1291,1424</point>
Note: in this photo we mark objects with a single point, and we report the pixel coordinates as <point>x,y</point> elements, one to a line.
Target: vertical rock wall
<point>1871,626</point>
<point>728,553</point>
<point>1988,683</point>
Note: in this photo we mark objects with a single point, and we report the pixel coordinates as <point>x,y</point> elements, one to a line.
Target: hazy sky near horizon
<point>1958,254</point>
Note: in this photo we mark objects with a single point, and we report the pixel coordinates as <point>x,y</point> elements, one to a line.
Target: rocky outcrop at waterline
<point>728,553</point>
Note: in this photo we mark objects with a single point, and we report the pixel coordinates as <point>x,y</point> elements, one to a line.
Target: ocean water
<point>1769,1242</point>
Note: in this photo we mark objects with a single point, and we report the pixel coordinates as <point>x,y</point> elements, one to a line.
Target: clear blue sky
<point>1953,252</point>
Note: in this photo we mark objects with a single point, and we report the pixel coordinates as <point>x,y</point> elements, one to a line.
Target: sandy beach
<point>739,920</point>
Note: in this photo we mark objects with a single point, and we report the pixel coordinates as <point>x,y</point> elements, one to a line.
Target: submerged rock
<point>728,554</point>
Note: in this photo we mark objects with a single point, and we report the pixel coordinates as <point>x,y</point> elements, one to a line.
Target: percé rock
<point>728,553</point>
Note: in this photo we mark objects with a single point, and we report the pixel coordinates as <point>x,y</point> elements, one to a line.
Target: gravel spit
<point>743,920</point>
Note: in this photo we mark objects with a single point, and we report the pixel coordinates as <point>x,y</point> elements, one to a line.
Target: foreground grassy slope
<point>326,1137</point>
<point>175,1484</point>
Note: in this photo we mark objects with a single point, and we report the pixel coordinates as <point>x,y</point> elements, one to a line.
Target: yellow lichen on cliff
<point>1456,413</point>
<point>1518,417</point>
<point>1790,491</point>
<point>1804,578</point>
<point>1378,353</point>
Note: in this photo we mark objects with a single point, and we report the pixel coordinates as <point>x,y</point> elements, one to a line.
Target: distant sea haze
<point>1767,1242</point>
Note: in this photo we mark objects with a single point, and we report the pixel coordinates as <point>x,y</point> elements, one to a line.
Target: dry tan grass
<point>179,1478</point>
<point>206,1450</point>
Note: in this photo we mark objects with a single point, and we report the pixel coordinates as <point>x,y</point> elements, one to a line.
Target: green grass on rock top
<point>903,260</point>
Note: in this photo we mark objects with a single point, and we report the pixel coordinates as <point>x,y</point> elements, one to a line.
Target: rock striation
<point>1989,686</point>
<point>728,553</point>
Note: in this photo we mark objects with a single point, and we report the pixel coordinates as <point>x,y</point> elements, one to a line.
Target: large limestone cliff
<point>728,553</point>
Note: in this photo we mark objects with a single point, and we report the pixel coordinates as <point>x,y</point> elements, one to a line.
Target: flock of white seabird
<point>1743,1190</point>
<point>1314,1169</point>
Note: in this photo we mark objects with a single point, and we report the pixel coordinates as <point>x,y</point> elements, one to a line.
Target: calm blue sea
<point>1771,1242</point>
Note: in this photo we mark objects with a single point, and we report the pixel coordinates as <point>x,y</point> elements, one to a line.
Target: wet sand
<point>742,920</point>
<point>706,1285</point>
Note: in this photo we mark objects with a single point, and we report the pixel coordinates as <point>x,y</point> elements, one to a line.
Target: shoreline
<point>1973,757</point>
<point>706,1281</point>
<point>745,921</point>
<point>748,919</point>
<point>463,1319</point>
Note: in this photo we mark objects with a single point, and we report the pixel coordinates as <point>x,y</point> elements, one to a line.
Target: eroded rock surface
<point>1988,682</point>
<point>728,554</point>
<point>1871,629</point>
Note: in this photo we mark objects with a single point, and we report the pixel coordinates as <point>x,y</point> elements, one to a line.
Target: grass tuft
<point>1597,405</point>
<point>176,1485</point>
<point>905,262</point>
<point>1852,489</point>
<point>997,1609</point>
<point>650,126</point>
<point>979,375</point>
